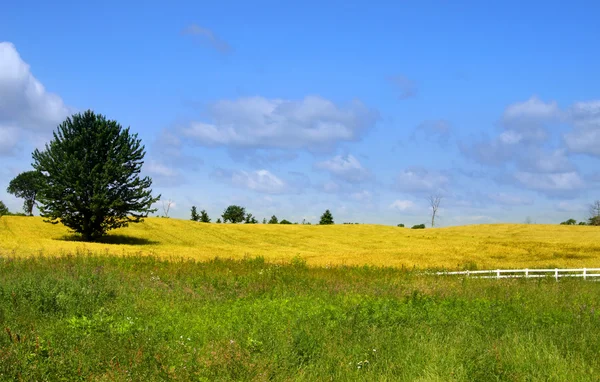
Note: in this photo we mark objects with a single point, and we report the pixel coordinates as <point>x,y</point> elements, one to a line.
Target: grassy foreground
<point>102,318</point>
<point>477,246</point>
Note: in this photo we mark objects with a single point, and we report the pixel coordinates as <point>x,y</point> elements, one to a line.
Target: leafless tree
<point>166,207</point>
<point>595,213</point>
<point>434,202</point>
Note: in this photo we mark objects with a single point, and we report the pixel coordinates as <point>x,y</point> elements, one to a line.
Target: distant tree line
<point>237,214</point>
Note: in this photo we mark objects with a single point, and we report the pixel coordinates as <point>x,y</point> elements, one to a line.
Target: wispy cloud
<point>406,88</point>
<point>207,36</point>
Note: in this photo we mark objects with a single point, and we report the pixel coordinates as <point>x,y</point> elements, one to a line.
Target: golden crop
<point>483,246</point>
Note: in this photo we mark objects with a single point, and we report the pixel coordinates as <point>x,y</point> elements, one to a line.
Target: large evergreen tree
<point>92,180</point>
<point>26,186</point>
<point>326,218</point>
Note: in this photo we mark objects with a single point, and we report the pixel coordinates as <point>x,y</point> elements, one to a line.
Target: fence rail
<point>557,273</point>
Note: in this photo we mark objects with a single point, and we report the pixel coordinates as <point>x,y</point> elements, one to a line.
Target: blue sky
<point>363,108</point>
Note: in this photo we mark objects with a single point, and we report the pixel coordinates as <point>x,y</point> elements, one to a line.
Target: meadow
<point>135,318</point>
<point>177,300</point>
<point>465,247</point>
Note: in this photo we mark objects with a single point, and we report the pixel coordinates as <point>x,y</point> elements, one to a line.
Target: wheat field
<point>475,246</point>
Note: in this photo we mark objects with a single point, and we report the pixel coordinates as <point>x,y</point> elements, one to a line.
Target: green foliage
<point>285,222</point>
<point>92,176</point>
<point>569,222</point>
<point>234,214</point>
<point>195,216</point>
<point>250,219</point>
<point>264,221</point>
<point>204,217</point>
<point>594,220</point>
<point>219,221</point>
<point>26,186</point>
<point>273,220</point>
<point>138,318</point>
<point>418,226</point>
<point>401,225</point>
<point>3,209</point>
<point>326,218</point>
<point>582,223</point>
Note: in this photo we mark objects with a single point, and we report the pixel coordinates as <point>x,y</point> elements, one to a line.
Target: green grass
<point>104,318</point>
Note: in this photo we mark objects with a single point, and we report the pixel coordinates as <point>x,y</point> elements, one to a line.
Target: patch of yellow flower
<point>482,246</point>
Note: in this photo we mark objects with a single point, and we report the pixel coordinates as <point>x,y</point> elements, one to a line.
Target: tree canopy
<point>92,180</point>
<point>273,220</point>
<point>326,218</point>
<point>26,186</point>
<point>234,214</point>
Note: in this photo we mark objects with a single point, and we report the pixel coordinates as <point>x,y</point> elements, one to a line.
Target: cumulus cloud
<point>25,105</point>
<point>570,206</point>
<point>345,167</point>
<point>554,183</point>
<point>313,123</point>
<point>585,136</point>
<point>524,129</point>
<point>538,160</point>
<point>510,199</point>
<point>208,37</point>
<point>417,179</point>
<point>262,181</point>
<point>362,196</point>
<point>403,205</point>
<point>405,87</point>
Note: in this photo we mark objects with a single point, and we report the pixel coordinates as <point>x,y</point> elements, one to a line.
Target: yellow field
<point>486,246</point>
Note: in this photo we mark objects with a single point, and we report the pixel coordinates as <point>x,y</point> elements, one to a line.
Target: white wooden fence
<point>585,273</point>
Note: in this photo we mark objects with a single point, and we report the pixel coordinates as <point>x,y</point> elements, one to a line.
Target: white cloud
<point>552,183</point>
<point>260,180</point>
<point>345,167</point>
<point>569,206</point>
<point>585,136</point>
<point>207,36</point>
<point>510,200</point>
<point>25,105</point>
<point>313,123</point>
<point>421,180</point>
<point>362,196</point>
<point>403,205</point>
<point>160,169</point>
<point>331,187</point>
<point>532,110</point>
<point>538,160</point>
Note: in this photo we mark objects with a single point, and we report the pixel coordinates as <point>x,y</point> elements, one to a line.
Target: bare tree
<point>595,213</point>
<point>166,207</point>
<point>434,203</point>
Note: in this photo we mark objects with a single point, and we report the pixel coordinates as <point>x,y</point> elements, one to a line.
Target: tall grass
<point>142,318</point>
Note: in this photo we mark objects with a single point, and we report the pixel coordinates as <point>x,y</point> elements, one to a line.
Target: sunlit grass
<point>477,246</point>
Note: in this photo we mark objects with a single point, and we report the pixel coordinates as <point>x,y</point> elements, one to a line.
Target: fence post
<point>498,273</point>
<point>467,273</point>
<point>584,274</point>
<point>556,273</point>
<point>526,272</point>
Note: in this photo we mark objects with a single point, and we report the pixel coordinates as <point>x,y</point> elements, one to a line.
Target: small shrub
<point>401,225</point>
<point>418,226</point>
